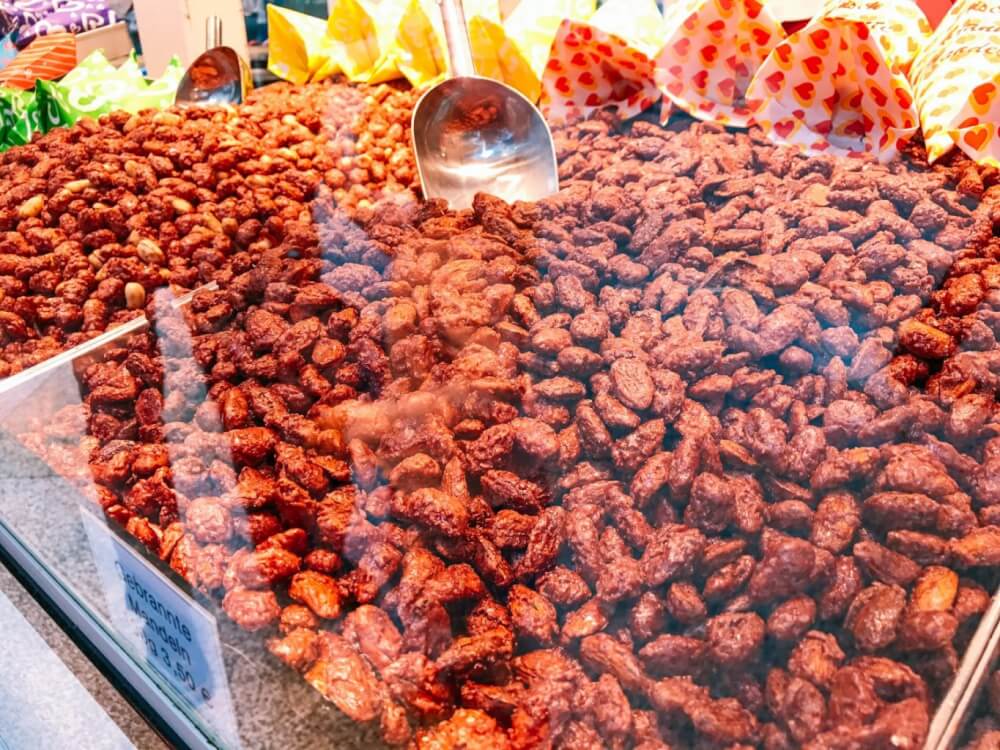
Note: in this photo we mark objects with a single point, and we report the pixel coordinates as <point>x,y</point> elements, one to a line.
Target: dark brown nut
<point>434,509</point>
<point>299,649</point>
<point>977,548</point>
<point>372,633</point>
<point>265,567</point>
<point>632,383</point>
<point>533,615</point>
<point>342,677</point>
<point>673,655</point>
<point>544,544</point>
<point>710,507</point>
<point>251,445</point>
<point>885,565</point>
<point>790,620</point>
<point>736,638</point>
<point>482,650</point>
<point>587,620</point>
<point>874,616</point>
<point>672,552</point>
<point>467,728</point>
<point>563,587</point>
<point>836,522</point>
<point>605,654</point>
<point>252,610</point>
<point>816,658</point>
<point>786,569</point>
<point>843,586</point>
<point>318,592</point>
<point>505,489</point>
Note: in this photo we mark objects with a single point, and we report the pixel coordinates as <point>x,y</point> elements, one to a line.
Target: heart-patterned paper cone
<point>299,49</point>
<point>606,62</point>
<point>839,85</point>
<point>380,41</point>
<point>713,50</point>
<point>956,81</point>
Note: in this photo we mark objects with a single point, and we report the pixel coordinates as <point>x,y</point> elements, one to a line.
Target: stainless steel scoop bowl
<point>219,76</point>
<point>474,134</point>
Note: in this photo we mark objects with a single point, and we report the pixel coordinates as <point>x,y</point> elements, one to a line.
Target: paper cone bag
<point>839,85</point>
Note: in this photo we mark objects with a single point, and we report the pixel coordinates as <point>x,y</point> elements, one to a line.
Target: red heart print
<point>717,27</point>
<point>871,64</point>
<point>878,95</point>
<point>579,60</point>
<point>840,71</point>
<point>681,46</point>
<point>753,8</point>
<point>799,114</point>
<point>700,79</point>
<point>676,71</point>
<point>775,81</point>
<point>984,93</point>
<point>855,101</point>
<point>856,127</point>
<point>806,91</point>
<point>562,84</point>
<point>727,87</point>
<point>627,64</point>
<point>586,78</point>
<point>813,64</point>
<point>968,122</point>
<point>784,52</point>
<point>554,65</point>
<point>753,105</point>
<point>593,101</point>
<point>587,33</point>
<point>861,29</point>
<point>821,39</point>
<point>976,137</point>
<point>869,124</point>
<point>709,53</point>
<point>784,128</point>
<point>605,49</point>
<point>726,5</point>
<point>761,36</point>
<point>824,127</point>
<point>676,88</point>
<point>903,98</point>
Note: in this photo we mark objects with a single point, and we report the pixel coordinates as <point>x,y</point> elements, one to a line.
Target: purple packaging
<point>21,13</point>
<point>74,16</point>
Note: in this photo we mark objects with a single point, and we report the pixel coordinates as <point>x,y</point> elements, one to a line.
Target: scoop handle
<point>456,35</point>
<point>213,32</point>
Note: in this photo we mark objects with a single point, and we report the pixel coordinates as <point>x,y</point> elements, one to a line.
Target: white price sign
<point>178,637</point>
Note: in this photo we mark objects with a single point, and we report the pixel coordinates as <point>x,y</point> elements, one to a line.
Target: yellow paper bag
<point>956,82</point>
<point>381,41</point>
<point>606,62</point>
<point>839,85</point>
<point>712,51</point>
<point>299,49</point>
<point>533,24</point>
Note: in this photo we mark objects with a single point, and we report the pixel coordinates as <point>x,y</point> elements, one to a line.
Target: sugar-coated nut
<point>135,295</point>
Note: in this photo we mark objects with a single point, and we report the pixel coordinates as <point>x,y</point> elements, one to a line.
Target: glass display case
<point>700,451</point>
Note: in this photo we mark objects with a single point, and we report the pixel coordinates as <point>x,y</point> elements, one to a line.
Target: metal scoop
<point>474,134</point>
<point>219,76</point>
